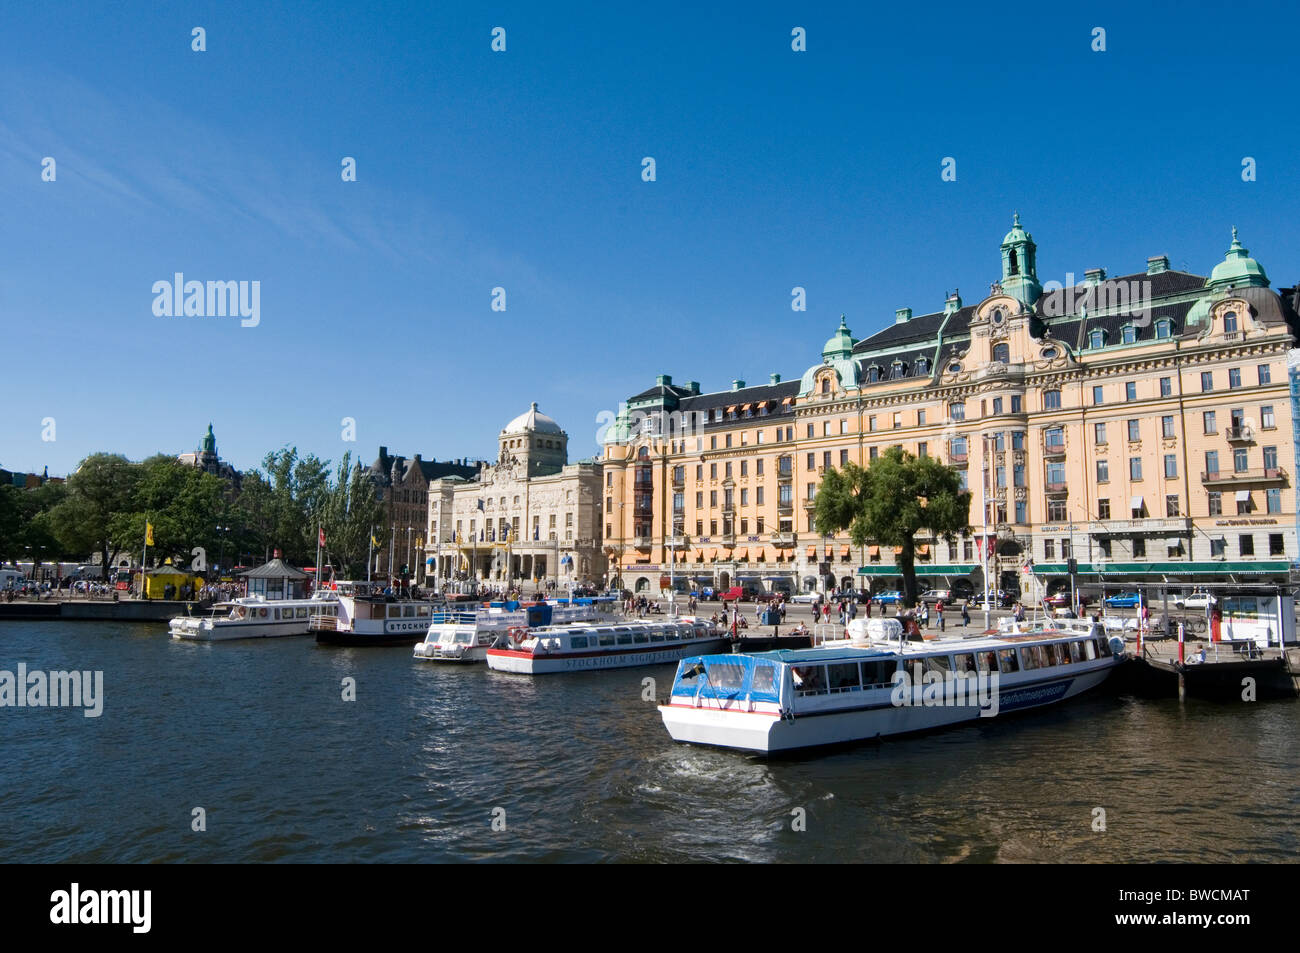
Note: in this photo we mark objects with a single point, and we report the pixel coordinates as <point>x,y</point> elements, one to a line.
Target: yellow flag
<point>373,541</point>
<point>148,533</point>
<point>418,542</point>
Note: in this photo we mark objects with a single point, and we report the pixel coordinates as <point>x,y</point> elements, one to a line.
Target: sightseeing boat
<point>254,617</point>
<point>583,646</point>
<point>463,636</point>
<point>875,683</point>
<point>364,615</point>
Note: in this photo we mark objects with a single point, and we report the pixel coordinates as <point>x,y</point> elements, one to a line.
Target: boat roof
<point>860,651</point>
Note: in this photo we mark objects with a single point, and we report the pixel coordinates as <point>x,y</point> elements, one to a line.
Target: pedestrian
<point>965,614</point>
<point>938,612</point>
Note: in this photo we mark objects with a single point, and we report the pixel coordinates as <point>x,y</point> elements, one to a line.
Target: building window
<point>1207,381</point>
<point>1216,502</point>
<point>1244,502</point>
<point>1099,433</point>
<point>1130,390</point>
<point>1096,339</point>
<point>1265,375</point>
<point>1017,440</point>
<point>812,491</point>
<point>1166,387</point>
<point>1276,546</point>
<point>956,410</point>
<point>844,457</point>
<point>871,422</point>
<point>1055,476</point>
<point>1273,500</point>
<point>744,496</point>
<point>1128,334</point>
<point>713,499</point>
<point>844,426</point>
<point>713,471</point>
<point>1051,400</point>
<point>1266,419</point>
<point>1217,547</point>
<point>1270,458</point>
<point>826,460</point>
<point>1049,549</point>
<point>922,449</point>
<point>1171,466</point>
<point>1171,505</point>
<point>1056,511</point>
<point>1055,437</point>
<point>1022,511</point>
<point>898,420</point>
<point>1104,545</point>
<point>1001,354</point>
<point>1167,426</point>
<point>1018,475</point>
<point>920,418</point>
<point>1246,544</point>
<point>699,499</point>
<point>1098,393</point>
<point>826,428</point>
<point>1164,328</point>
<point>1240,461</point>
<point>1234,377</point>
<point>1134,431</point>
<point>812,461</point>
<point>811,431</point>
<point>1103,509</point>
<point>726,470</point>
<point>758,495</point>
<point>1139,547</point>
<point>1103,471</point>
<point>873,452</point>
<point>1230,321</point>
<point>1135,468</point>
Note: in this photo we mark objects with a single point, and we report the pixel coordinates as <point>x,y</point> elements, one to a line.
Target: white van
<point>11,579</point>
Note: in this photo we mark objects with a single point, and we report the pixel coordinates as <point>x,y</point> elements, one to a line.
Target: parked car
<point>1197,600</point>
<point>934,596</point>
<point>1125,600</point>
<point>1061,600</point>
<point>806,598</point>
<point>887,598</point>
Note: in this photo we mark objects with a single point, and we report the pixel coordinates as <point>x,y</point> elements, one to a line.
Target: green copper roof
<point>1017,234</point>
<point>1238,268</point>
<point>838,353</point>
<point>840,344</point>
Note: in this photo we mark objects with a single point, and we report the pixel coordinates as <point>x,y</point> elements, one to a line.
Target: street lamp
<point>225,533</point>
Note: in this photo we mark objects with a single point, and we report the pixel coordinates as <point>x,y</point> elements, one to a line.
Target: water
<point>257,734</point>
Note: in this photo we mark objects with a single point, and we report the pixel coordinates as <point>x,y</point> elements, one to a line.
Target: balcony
<point>1239,434</point>
<point>727,539</point>
<point>783,539</point>
<point>679,481</point>
<point>785,474</point>
<point>1057,488</point>
<point>677,542</point>
<point>1252,475</point>
<point>1052,450</point>
<point>957,459</point>
<point>642,542</point>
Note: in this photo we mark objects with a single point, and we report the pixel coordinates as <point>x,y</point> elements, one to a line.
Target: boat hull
<point>526,663</point>
<point>766,732</point>
<point>234,631</point>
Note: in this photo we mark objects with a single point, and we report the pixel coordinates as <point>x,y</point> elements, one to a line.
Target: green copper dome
<point>1017,234</point>
<point>209,442</point>
<point>1238,268</point>
<point>839,344</point>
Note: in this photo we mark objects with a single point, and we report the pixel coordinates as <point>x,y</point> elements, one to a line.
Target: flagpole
<point>144,557</point>
<point>319,532</point>
<point>370,552</point>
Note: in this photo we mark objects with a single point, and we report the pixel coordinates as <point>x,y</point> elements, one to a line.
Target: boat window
<point>409,612</point>
<point>1076,652</point>
<point>810,680</point>
<point>878,673</point>
<point>625,638</point>
<point>843,678</point>
<point>656,635</point>
<point>987,661</point>
<point>463,637</point>
<point>422,610</point>
<point>640,637</point>
<point>1008,660</point>
<point>726,676</point>
<point>1028,661</point>
<point>764,679</point>
<point>607,638</point>
<point>1050,654</point>
<point>394,612</point>
<point>675,634</point>
<point>936,663</point>
<point>578,641</point>
<point>1090,649</point>
<point>1103,648</point>
<point>1063,653</point>
<point>963,663</point>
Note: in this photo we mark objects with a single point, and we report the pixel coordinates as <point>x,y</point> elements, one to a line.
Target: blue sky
<point>522,170</point>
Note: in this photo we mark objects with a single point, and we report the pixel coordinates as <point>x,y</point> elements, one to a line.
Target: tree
<point>351,514</point>
<point>299,489</point>
<point>890,501</point>
<point>98,493</point>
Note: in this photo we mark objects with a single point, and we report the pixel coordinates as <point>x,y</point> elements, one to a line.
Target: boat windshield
<point>728,677</point>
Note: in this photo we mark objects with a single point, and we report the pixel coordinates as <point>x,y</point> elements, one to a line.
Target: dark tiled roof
<point>921,328</point>
<point>662,390</point>
<point>746,395</point>
<point>886,364</point>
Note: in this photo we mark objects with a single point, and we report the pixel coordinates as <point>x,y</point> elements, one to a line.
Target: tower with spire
<point>1019,265</point>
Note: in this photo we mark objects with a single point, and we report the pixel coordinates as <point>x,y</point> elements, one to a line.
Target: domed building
<point>531,520</point>
<point>206,458</point>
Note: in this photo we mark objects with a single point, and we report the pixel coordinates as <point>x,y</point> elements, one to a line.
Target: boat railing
<point>824,632</point>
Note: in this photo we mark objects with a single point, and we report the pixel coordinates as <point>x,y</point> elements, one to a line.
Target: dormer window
<point>922,366</point>
<point>1096,339</point>
<point>1001,354</point>
<point>897,370</point>
<point>1164,329</point>
<point>873,373</point>
<point>1229,321</point>
<point>826,385</point>
<point>1128,334</point>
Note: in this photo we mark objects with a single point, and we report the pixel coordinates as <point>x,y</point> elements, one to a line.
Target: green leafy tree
<point>98,494</point>
<point>890,501</point>
<point>351,514</point>
<point>299,489</point>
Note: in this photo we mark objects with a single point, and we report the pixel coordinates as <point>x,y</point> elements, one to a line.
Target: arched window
<point>1096,338</point>
<point>1164,328</point>
<point>826,385</point>
<point>1128,334</point>
<point>1229,321</point>
<point>1001,354</point>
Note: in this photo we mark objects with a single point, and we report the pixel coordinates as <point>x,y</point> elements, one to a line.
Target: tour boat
<point>874,684</point>
<point>365,616</point>
<point>582,646</point>
<point>464,636</point>
<point>253,617</point>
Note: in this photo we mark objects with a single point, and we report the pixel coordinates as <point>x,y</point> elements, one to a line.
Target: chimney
<point>383,452</point>
<point>1157,263</point>
<point>664,380</point>
<point>693,386</point>
<point>902,315</point>
<point>774,379</point>
<point>737,384</point>
<point>416,458</point>
<point>952,304</point>
<point>1094,276</point>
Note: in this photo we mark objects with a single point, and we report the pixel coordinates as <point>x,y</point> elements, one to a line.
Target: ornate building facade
<point>402,486</point>
<point>1136,425</point>
<point>530,518</point>
<point>206,458</point>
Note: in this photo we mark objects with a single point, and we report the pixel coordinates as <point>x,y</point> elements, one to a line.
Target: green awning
<point>1163,569</point>
<point>922,569</point>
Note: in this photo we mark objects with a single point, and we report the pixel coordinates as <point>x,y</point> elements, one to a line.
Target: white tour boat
<point>253,617</point>
<point>365,616</point>
<point>582,646</point>
<point>875,684</point>
<point>464,635</point>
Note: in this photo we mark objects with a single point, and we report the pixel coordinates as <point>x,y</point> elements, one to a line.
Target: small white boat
<point>875,684</point>
<point>364,615</point>
<point>464,636</point>
<point>253,617</point>
<point>583,647</point>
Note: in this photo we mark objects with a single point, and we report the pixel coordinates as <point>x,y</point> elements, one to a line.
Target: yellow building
<point>1141,425</point>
